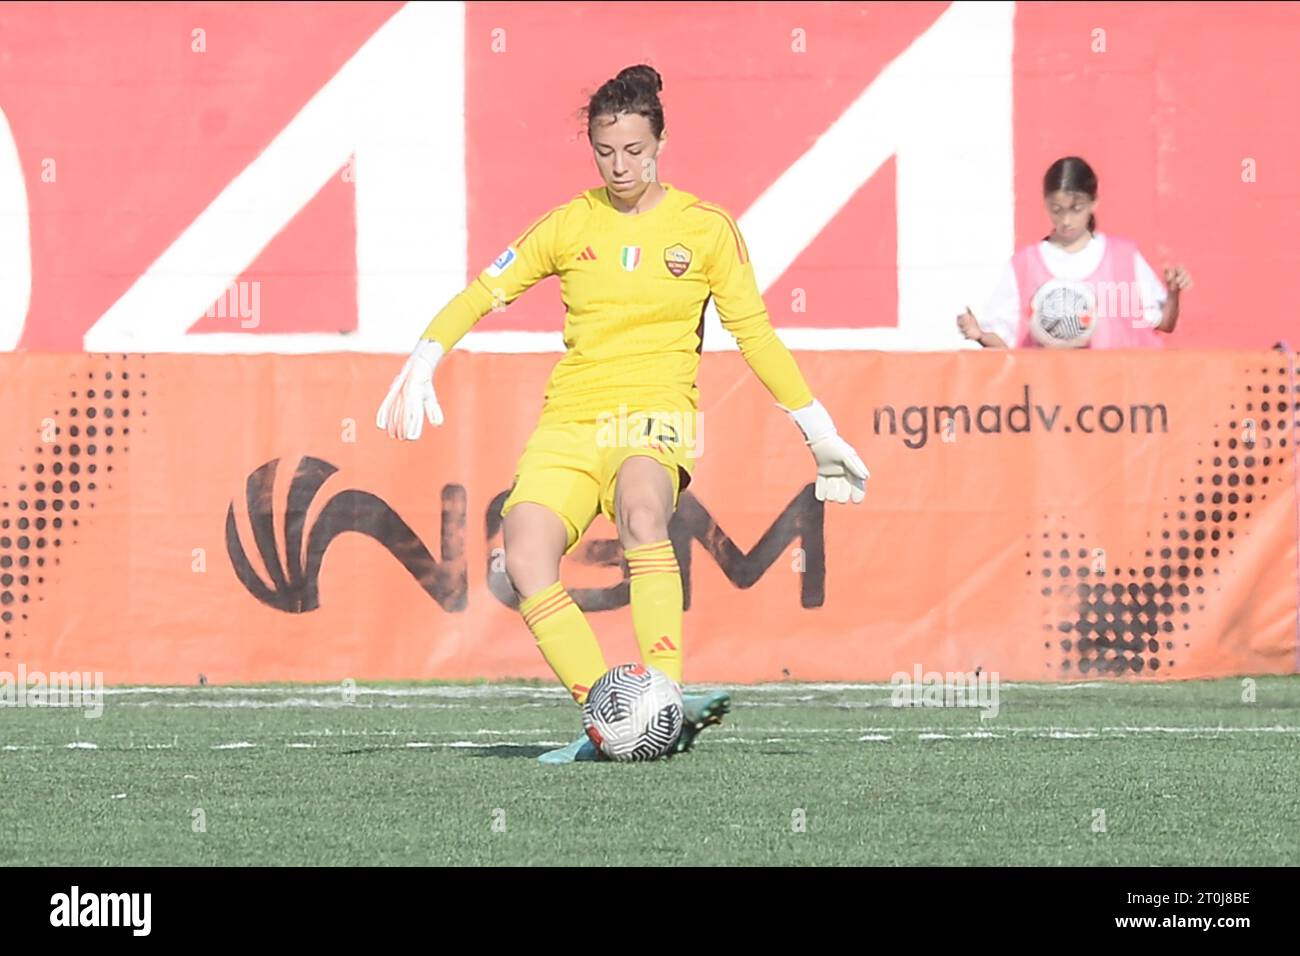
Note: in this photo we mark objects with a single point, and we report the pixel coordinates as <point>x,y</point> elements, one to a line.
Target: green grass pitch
<point>1096,773</point>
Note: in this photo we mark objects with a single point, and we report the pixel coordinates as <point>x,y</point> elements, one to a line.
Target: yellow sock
<point>565,639</point>
<point>657,605</point>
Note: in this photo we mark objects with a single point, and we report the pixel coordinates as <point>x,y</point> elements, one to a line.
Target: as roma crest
<point>678,259</point>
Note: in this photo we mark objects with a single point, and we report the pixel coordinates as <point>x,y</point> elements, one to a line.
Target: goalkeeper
<point>638,260</point>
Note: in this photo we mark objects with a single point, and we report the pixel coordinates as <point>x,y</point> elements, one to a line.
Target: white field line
<point>340,704</point>
<point>999,731</point>
<point>761,735</point>
<point>292,702</point>
<point>797,691</point>
<point>338,690</point>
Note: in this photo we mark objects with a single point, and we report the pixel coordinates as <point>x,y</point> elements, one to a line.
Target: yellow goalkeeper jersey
<point>634,289</point>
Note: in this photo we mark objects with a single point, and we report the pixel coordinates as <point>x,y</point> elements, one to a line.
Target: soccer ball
<point>1063,314</point>
<point>633,712</point>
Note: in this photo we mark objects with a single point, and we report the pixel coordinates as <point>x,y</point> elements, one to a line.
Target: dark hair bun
<point>634,90</point>
<point>642,77</point>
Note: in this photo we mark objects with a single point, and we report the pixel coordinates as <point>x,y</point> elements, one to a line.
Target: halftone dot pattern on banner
<point>1132,616</point>
<point>61,473</point>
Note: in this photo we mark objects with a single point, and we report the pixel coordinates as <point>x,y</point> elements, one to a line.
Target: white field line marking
<point>798,691</point>
<point>292,703</point>
<point>1096,730</point>
<point>838,731</point>
<point>337,690</point>
<point>785,734</point>
<point>246,703</point>
<point>303,703</point>
<point>1106,734</point>
<point>461,744</point>
<point>806,731</point>
<point>863,732</point>
<point>416,733</point>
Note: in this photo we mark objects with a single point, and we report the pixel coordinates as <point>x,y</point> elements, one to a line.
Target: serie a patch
<point>501,263</point>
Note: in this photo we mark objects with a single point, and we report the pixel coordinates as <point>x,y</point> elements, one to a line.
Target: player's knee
<point>642,523</point>
<point>530,568</point>
<point>534,540</point>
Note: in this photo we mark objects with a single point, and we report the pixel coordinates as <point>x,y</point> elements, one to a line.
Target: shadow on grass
<point>515,751</point>
<point>518,751</point>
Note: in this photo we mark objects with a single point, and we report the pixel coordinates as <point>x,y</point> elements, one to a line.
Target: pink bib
<point>1115,289</point>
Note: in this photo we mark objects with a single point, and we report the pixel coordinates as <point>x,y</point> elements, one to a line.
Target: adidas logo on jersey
<point>587,254</point>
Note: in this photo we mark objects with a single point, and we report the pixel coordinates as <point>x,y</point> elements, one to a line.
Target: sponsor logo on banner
<point>293,586</point>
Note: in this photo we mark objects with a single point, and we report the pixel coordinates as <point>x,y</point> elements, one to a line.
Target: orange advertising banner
<point>1044,516</point>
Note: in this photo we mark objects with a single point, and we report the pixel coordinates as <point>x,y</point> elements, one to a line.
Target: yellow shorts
<point>572,469</point>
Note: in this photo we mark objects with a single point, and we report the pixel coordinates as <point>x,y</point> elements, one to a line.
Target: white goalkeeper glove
<point>841,475</point>
<point>411,396</point>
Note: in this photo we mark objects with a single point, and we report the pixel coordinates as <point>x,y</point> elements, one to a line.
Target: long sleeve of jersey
<point>743,314</point>
<point>524,263</point>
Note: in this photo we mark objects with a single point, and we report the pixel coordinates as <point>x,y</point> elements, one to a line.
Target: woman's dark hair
<point>634,90</point>
<point>1072,175</point>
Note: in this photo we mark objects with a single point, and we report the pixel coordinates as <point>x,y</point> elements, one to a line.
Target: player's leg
<point>643,504</point>
<point>535,541</point>
<point>645,496</point>
<point>553,501</point>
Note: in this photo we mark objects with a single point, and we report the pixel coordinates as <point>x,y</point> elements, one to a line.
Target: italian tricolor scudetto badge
<point>631,257</point>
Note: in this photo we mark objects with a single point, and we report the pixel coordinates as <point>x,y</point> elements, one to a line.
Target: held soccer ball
<point>1063,314</point>
<point>633,712</point>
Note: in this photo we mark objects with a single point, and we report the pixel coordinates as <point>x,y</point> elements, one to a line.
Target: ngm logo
<point>293,585</point>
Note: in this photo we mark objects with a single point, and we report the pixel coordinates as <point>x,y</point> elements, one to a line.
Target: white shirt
<point>1002,315</point>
